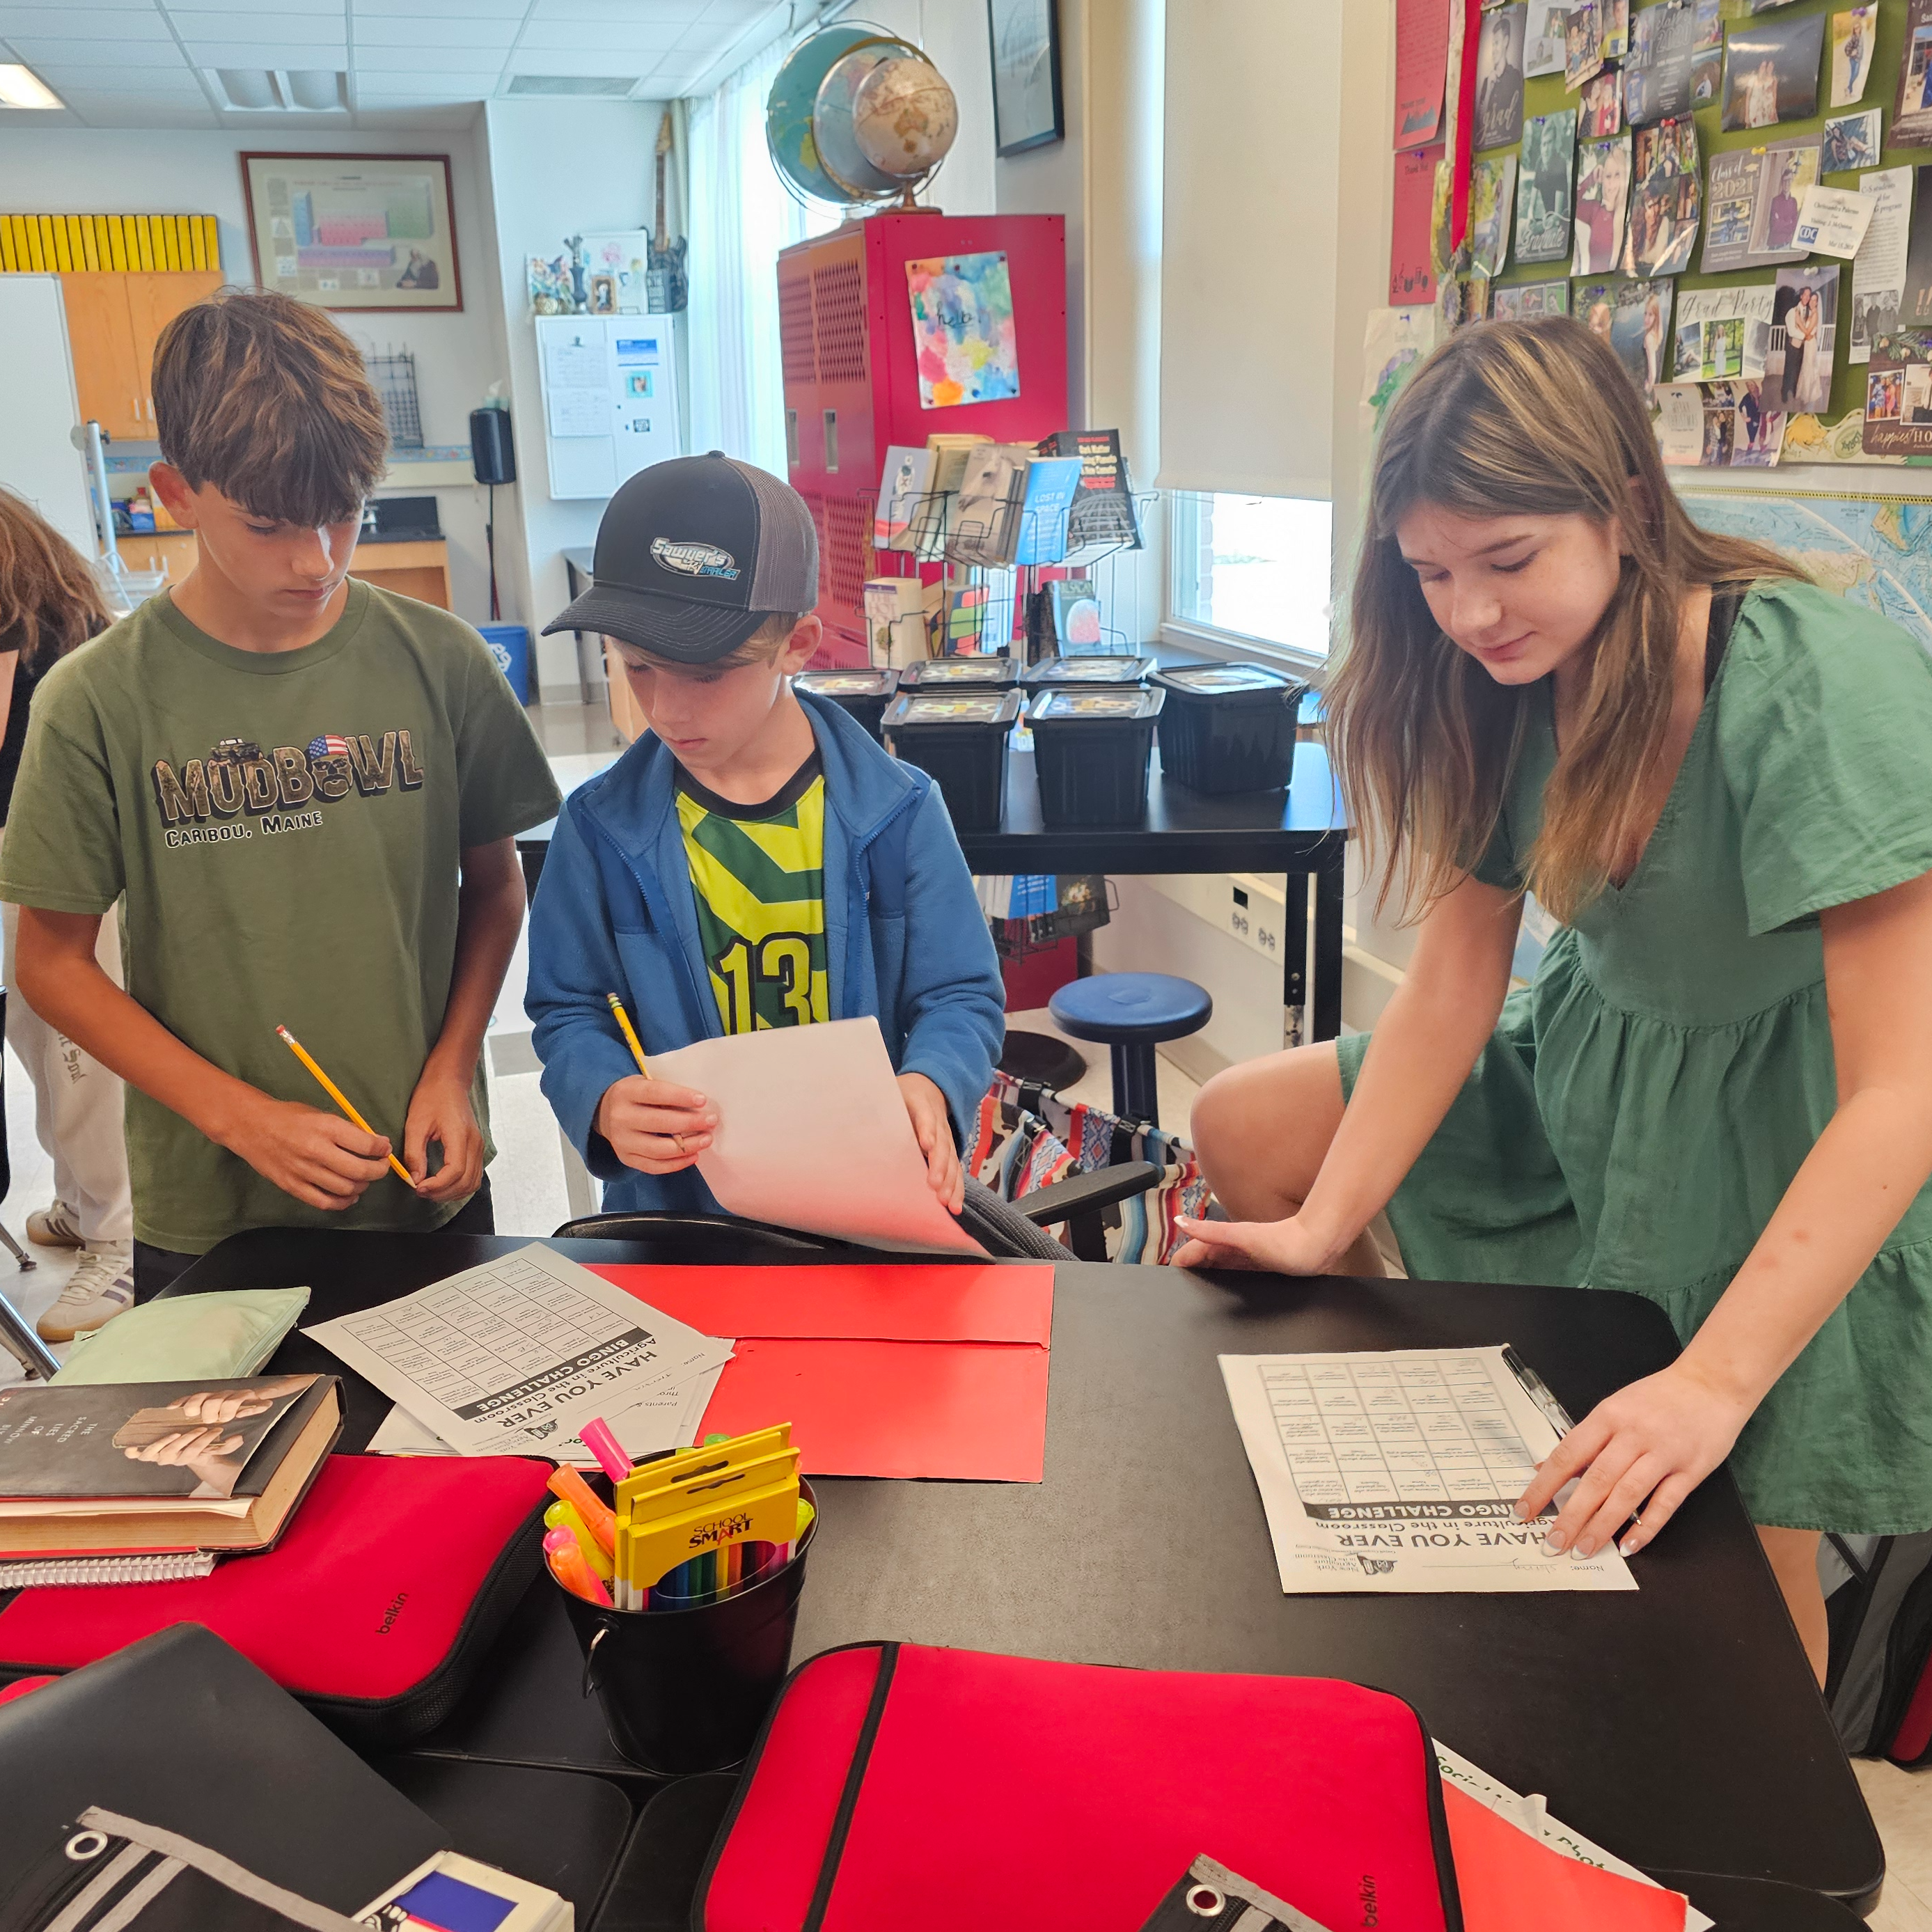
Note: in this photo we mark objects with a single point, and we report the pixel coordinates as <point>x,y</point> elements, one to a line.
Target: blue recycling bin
<point>510,646</point>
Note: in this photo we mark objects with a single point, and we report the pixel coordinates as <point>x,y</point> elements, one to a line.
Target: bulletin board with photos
<point>1737,194</point>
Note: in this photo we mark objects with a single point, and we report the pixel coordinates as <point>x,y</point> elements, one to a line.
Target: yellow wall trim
<point>42,245</point>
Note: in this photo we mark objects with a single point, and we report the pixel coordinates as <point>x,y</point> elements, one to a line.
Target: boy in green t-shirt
<point>308,790</point>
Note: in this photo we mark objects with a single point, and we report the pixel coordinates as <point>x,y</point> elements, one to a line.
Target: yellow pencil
<point>340,1098</point>
<point>630,1033</point>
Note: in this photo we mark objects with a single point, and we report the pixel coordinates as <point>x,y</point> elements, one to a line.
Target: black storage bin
<point>1092,748</point>
<point>960,738</point>
<point>1081,673</point>
<point>966,674</point>
<point>865,694</point>
<point>1228,727</point>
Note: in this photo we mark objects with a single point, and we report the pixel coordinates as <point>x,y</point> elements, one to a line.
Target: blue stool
<point>1131,1012</point>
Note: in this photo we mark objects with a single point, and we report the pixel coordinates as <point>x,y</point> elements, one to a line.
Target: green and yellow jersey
<point>758,871</point>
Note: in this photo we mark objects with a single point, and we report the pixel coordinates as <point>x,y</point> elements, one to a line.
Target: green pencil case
<point>231,1332</point>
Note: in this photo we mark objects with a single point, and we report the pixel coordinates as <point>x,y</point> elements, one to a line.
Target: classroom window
<point>1254,569</point>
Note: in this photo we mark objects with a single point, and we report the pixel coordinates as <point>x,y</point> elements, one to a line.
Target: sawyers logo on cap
<point>694,559</point>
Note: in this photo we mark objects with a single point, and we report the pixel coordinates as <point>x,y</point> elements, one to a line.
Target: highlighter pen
<point>597,1515</point>
<point>568,1566</point>
<point>595,1436</point>
<point>561,1516</point>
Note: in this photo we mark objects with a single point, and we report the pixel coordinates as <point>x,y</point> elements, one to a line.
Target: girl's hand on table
<point>1284,1247</point>
<point>1644,1449</point>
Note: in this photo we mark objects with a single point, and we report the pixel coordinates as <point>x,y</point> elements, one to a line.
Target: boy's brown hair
<point>265,397</point>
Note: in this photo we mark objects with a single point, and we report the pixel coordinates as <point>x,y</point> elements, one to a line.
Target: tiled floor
<point>1901,1806</point>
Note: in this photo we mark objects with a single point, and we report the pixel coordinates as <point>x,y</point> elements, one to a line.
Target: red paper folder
<point>1509,1883</point>
<point>891,1370</point>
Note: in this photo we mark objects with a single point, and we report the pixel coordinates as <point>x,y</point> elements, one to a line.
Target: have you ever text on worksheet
<point>1400,1470</point>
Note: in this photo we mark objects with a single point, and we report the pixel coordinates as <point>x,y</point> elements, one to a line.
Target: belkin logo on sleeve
<point>694,559</point>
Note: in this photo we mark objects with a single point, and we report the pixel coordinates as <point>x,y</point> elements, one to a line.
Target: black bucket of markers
<point>686,1690</point>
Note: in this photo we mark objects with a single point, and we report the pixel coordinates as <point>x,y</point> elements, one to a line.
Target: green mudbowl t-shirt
<point>287,829</point>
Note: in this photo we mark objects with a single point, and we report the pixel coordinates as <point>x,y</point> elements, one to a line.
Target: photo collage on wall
<point>1704,184</point>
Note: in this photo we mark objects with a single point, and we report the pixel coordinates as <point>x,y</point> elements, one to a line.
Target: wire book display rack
<point>959,543</point>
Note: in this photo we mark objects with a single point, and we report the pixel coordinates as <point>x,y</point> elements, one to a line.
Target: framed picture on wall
<point>354,231</point>
<point>1026,74</point>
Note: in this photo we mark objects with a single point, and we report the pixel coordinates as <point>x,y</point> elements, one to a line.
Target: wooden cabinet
<point>113,322</point>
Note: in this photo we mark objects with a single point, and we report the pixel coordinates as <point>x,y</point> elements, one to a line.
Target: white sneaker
<point>57,1226</point>
<point>98,1290</point>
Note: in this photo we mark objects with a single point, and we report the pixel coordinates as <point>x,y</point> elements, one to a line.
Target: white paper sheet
<point>512,1357</point>
<point>1532,1815</point>
<point>812,1134</point>
<point>668,1421</point>
<point>1399,1471</point>
<point>1833,221</point>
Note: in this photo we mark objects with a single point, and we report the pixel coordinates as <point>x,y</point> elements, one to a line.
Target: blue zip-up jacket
<point>905,939</point>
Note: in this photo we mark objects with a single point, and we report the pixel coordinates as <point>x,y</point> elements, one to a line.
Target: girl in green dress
<point>1718,1092</point>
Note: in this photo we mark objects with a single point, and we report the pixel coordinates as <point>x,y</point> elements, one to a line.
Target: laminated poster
<point>1544,183</point>
<point>1911,124</point>
<point>1499,77</point>
<point>1771,71</point>
<point>1603,204</point>
<point>962,326</point>
<point>1878,283</point>
<point>1543,47</point>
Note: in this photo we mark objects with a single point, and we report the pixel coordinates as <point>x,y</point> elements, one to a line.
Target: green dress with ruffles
<point>1643,1107</point>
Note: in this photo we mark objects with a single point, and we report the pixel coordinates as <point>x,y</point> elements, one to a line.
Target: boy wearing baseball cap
<point>753,860</point>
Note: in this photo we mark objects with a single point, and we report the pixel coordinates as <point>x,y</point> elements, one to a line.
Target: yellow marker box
<point>769,1513</point>
<point>649,1477</point>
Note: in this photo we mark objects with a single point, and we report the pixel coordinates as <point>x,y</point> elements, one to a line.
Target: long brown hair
<point>1514,418</point>
<point>50,600</point>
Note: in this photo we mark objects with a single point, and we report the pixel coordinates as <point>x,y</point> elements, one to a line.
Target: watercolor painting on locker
<point>963,332</point>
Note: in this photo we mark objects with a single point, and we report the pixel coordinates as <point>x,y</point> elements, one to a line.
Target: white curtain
<point>742,214</point>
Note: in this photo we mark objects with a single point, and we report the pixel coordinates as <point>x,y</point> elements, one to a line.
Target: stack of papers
<point>1399,1469</point>
<point>511,1358</point>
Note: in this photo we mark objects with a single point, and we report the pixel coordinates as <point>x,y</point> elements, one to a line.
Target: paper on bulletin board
<point>1412,274</point>
<point>1421,64</point>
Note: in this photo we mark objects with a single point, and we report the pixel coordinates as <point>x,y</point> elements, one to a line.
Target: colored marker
<point>595,1436</point>
<point>597,1515</point>
<point>630,1032</point>
<point>340,1098</point>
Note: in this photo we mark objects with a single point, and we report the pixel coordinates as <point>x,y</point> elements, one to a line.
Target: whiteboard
<point>39,408</point>
<point>610,398</point>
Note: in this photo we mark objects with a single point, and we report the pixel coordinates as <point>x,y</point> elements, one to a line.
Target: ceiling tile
<point>610,36</point>
<point>268,53</point>
<point>81,54</point>
<point>128,110</point>
<point>330,9</point>
<point>436,118</point>
<point>392,87</point>
<point>459,9</point>
<point>312,28</point>
<point>653,13</point>
<point>82,23</point>
<point>383,31</point>
<point>428,60</point>
<point>113,78</point>
<point>574,61</point>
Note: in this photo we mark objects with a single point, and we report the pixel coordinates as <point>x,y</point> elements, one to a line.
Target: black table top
<point>1185,831</point>
<point>1677,1725</point>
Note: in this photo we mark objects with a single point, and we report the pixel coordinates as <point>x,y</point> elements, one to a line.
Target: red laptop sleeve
<point>391,1580</point>
<point>898,1784</point>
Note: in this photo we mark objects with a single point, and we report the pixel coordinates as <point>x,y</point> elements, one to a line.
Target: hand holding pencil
<point>654,1126</point>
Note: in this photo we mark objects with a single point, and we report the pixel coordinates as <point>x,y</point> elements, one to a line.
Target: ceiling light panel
<point>21,88</point>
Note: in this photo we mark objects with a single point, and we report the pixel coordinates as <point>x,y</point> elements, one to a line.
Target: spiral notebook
<point>172,1566</point>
